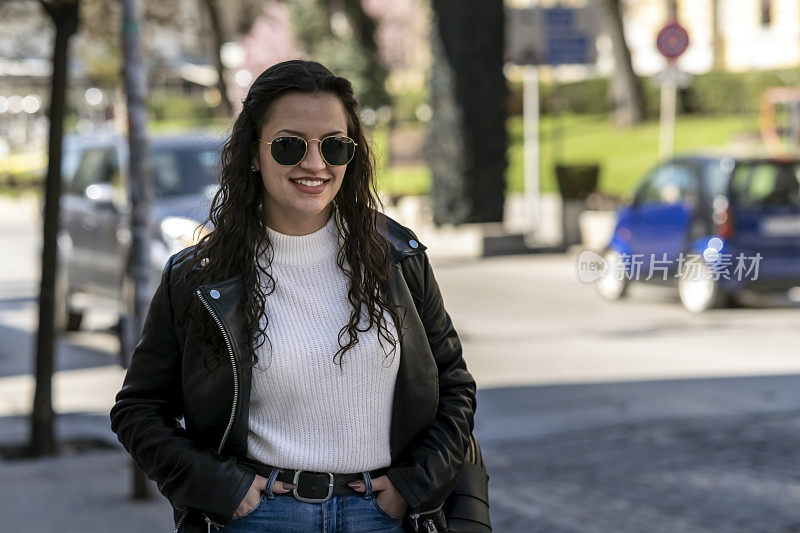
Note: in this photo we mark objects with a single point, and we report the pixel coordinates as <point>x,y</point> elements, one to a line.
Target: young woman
<point>303,340</point>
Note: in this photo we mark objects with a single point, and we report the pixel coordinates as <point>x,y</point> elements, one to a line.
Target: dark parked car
<point>716,225</point>
<point>94,239</point>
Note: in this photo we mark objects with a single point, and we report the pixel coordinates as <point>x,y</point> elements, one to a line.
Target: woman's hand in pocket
<point>253,495</point>
<point>386,495</point>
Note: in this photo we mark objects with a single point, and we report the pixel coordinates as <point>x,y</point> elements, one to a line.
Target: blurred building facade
<point>730,35</point>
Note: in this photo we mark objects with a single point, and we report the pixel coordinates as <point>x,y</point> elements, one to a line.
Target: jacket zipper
<point>235,370</point>
<point>233,407</point>
<point>180,520</point>
<point>429,525</point>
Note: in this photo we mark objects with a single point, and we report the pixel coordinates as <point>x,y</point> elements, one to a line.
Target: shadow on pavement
<point>73,351</point>
<point>694,455</point>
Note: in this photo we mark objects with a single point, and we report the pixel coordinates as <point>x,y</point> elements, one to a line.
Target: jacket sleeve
<point>426,473</point>
<point>146,417</point>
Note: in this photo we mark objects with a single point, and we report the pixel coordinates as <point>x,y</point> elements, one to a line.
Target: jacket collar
<point>402,241</point>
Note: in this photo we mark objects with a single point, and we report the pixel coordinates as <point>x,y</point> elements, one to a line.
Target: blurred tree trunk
<point>467,138</point>
<point>42,440</point>
<point>219,38</point>
<point>135,79</point>
<point>626,93</point>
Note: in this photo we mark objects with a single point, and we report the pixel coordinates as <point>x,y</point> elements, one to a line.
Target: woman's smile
<point>309,185</point>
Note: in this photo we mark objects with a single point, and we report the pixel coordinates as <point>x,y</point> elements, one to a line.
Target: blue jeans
<point>346,513</point>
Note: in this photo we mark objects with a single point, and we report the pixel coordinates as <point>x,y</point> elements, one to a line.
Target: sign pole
<point>530,116</point>
<point>537,36</point>
<point>671,42</point>
<point>667,127</point>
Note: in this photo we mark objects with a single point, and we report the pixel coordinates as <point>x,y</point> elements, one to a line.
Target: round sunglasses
<point>289,150</point>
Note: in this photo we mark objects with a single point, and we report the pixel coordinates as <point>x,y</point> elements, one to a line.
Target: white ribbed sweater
<point>305,413</point>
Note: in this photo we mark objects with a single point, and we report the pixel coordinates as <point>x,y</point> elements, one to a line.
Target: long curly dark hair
<point>238,242</point>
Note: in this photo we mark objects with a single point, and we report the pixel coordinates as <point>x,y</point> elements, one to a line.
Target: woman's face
<point>291,207</point>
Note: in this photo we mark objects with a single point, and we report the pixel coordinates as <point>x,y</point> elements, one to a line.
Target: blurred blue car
<point>713,225</point>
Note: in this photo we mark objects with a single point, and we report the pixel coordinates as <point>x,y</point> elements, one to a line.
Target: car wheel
<point>698,290</point>
<point>66,319</point>
<point>613,285</point>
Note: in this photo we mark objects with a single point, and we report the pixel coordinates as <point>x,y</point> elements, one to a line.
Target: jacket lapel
<point>226,301</point>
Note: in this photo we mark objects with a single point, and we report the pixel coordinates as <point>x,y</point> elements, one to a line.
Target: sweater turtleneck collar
<point>305,249</point>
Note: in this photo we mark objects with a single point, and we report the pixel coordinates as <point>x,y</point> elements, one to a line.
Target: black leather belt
<point>314,487</point>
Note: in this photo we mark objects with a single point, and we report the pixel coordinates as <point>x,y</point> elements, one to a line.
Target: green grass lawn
<point>22,164</point>
<point>624,154</point>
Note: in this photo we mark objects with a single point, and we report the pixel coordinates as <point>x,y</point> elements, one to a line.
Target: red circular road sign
<point>672,40</point>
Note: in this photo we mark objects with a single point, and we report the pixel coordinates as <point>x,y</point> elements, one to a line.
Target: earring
<point>253,168</point>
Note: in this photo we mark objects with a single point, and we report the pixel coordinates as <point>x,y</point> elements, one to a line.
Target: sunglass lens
<point>288,150</point>
<point>338,150</point>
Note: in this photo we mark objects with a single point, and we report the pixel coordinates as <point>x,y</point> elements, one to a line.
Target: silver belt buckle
<point>312,500</point>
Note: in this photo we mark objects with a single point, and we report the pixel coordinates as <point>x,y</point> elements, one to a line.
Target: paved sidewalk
<point>85,488</point>
<point>81,493</point>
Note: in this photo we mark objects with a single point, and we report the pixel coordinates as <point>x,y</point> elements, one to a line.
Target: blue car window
<point>670,184</point>
<point>767,184</point>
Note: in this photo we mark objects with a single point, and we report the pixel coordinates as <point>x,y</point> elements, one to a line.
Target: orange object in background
<point>773,133</point>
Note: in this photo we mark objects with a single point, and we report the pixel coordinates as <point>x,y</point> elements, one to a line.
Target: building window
<point>766,12</point>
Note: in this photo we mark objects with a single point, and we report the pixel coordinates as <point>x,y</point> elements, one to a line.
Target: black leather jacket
<point>195,465</point>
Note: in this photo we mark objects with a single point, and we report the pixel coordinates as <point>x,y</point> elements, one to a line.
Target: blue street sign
<point>551,36</point>
<point>569,50</point>
<point>566,41</point>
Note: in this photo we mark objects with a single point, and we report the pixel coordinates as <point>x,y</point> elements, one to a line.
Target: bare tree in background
<point>64,14</point>
<point>241,16</point>
<point>220,37</point>
<point>626,93</point>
